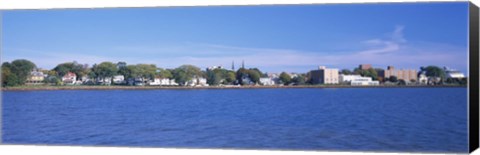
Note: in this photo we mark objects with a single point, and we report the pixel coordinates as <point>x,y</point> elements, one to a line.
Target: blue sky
<point>293,38</point>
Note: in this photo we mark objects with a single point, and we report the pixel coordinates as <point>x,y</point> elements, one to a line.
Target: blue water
<point>358,119</point>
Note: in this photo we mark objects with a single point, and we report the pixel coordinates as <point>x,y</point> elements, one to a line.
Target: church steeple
<point>243,64</point>
<point>233,65</point>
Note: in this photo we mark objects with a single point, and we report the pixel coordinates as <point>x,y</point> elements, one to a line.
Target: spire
<point>243,64</point>
<point>233,65</point>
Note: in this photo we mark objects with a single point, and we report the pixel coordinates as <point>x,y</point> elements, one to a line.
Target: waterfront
<point>366,119</point>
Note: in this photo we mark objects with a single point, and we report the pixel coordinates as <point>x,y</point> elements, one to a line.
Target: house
<point>357,80</point>
<point>422,78</point>
<point>197,82</point>
<point>138,82</point>
<point>202,82</point>
<point>69,78</point>
<point>172,82</point>
<point>86,80</point>
<point>160,82</point>
<point>274,76</point>
<point>36,77</point>
<point>267,81</point>
<point>118,79</point>
<point>325,75</point>
<point>104,81</point>
<point>154,82</point>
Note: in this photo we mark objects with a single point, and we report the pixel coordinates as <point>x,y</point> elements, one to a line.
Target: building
<point>119,79</point>
<point>403,74</point>
<point>324,75</point>
<point>357,80</point>
<point>197,82</point>
<point>451,73</point>
<point>69,78</point>
<point>136,81</point>
<point>365,66</point>
<point>267,81</point>
<point>202,82</point>
<point>173,83</point>
<point>36,77</point>
<point>156,82</point>
<point>293,75</point>
<point>104,81</point>
<point>346,79</point>
<point>214,67</point>
<point>86,80</point>
<point>162,82</point>
<point>422,78</point>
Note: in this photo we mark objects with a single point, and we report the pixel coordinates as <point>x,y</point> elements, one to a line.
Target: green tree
<point>53,80</point>
<point>241,74</point>
<point>164,73</point>
<point>230,77</point>
<point>433,71</point>
<point>74,67</point>
<point>147,70</point>
<point>285,78</point>
<point>122,69</point>
<point>346,72</point>
<point>299,80</point>
<point>371,72</point>
<point>186,73</point>
<point>17,72</point>
<point>8,78</point>
<point>214,77</point>
<point>393,79</point>
<point>254,75</point>
<point>143,71</point>
<point>105,70</point>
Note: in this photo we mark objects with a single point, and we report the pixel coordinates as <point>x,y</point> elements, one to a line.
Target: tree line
<point>17,72</point>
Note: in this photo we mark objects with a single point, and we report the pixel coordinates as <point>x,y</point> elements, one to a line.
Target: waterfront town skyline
<point>22,71</point>
<point>303,38</point>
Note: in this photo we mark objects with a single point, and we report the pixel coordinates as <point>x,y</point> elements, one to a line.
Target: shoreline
<point>115,87</point>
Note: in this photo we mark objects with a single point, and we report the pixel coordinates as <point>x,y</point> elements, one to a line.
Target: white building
<point>104,81</point>
<point>214,67</point>
<point>273,75</point>
<point>155,82</point>
<point>197,82</point>
<point>422,78</point>
<point>451,73</point>
<point>357,80</point>
<point>162,82</point>
<point>266,81</point>
<point>202,82</point>
<point>173,83</point>
<point>118,79</point>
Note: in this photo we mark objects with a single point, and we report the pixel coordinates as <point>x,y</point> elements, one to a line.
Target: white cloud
<point>393,50</point>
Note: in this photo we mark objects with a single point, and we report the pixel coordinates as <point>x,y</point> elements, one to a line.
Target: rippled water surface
<point>361,119</point>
